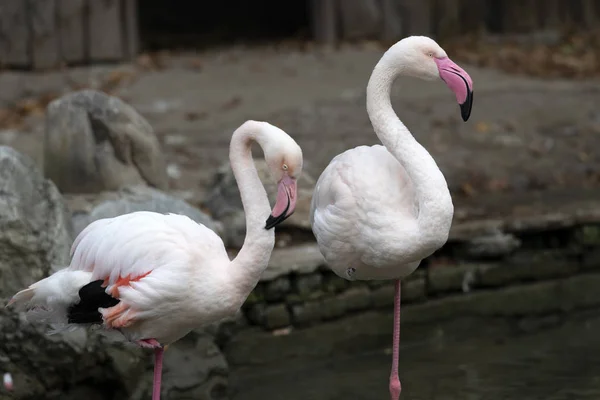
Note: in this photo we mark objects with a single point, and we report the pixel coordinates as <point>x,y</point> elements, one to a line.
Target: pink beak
<point>285,203</point>
<point>459,82</point>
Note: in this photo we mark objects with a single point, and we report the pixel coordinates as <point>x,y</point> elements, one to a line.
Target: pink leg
<point>395,386</point>
<point>158,361</point>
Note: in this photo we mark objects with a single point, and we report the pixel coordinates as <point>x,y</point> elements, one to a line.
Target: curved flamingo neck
<point>433,197</point>
<point>254,255</point>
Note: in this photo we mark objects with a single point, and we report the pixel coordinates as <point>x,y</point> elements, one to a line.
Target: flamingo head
<point>284,159</point>
<point>423,58</point>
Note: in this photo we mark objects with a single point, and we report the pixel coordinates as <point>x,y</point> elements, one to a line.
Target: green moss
<point>590,235</point>
<point>334,284</point>
<point>293,299</point>
<point>256,296</point>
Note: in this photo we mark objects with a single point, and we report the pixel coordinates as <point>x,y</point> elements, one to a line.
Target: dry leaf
<point>193,116</point>
<point>482,127</point>
<point>468,189</point>
<point>231,104</point>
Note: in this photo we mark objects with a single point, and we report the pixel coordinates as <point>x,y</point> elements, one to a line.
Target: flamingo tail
<point>49,300</point>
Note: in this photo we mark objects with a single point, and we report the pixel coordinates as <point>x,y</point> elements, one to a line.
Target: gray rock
<point>256,314</point>
<point>35,238</point>
<point>528,265</point>
<point>334,284</point>
<point>224,203</point>
<point>277,316</point>
<point>306,313</point>
<point>95,142</point>
<point>383,296</point>
<point>54,367</point>
<point>591,259</point>
<point>360,19</point>
<point>356,298</point>
<point>306,284</point>
<point>495,245</point>
<point>589,235</point>
<point>277,289</point>
<point>332,307</point>
<point>449,278</point>
<point>87,209</point>
<point>302,259</point>
<point>35,225</point>
<point>413,290</point>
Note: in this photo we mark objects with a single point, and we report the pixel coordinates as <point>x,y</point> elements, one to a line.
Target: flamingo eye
<point>285,167</point>
<point>430,54</point>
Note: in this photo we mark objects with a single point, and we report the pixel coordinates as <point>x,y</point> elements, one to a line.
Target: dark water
<point>559,364</point>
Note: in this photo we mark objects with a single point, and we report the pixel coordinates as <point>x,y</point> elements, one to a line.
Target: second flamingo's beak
<point>459,82</point>
<point>285,203</point>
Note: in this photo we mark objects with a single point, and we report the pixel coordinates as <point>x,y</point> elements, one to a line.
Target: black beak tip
<point>465,108</point>
<point>272,221</point>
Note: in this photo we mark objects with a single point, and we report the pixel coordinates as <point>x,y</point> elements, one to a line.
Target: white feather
<point>47,300</point>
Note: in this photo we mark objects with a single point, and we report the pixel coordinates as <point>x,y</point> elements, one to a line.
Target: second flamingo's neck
<point>431,189</point>
<point>254,255</point>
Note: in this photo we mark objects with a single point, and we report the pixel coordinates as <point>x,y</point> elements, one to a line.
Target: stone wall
<point>506,284</point>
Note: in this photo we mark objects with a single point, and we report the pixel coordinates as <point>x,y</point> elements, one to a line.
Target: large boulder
<point>88,208</point>
<point>95,142</point>
<point>35,237</point>
<point>65,366</point>
<point>35,224</point>
<point>224,203</point>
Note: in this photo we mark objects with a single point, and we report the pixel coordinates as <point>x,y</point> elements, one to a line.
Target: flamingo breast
<point>364,209</point>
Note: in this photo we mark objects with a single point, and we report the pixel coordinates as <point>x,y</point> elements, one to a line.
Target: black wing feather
<point>92,296</point>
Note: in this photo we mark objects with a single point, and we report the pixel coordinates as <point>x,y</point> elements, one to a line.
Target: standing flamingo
<point>155,277</point>
<point>378,211</point>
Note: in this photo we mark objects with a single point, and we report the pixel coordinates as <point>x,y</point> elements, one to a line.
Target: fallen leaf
<point>468,189</point>
<point>193,116</point>
<point>231,104</point>
<point>482,127</point>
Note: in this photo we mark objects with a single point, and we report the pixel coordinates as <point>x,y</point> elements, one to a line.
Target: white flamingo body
<point>378,211</point>
<point>362,201</point>
<point>184,266</point>
<point>156,277</point>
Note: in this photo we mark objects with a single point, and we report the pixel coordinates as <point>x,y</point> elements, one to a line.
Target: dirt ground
<point>525,135</point>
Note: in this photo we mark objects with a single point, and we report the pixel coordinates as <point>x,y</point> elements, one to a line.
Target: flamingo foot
<point>395,388</point>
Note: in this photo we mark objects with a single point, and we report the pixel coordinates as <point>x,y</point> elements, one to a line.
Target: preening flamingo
<point>378,211</point>
<point>155,277</point>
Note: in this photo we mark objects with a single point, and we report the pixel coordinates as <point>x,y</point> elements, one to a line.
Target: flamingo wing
<point>362,203</point>
<point>144,259</point>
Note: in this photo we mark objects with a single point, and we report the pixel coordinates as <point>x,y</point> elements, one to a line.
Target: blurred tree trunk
<point>324,15</point>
